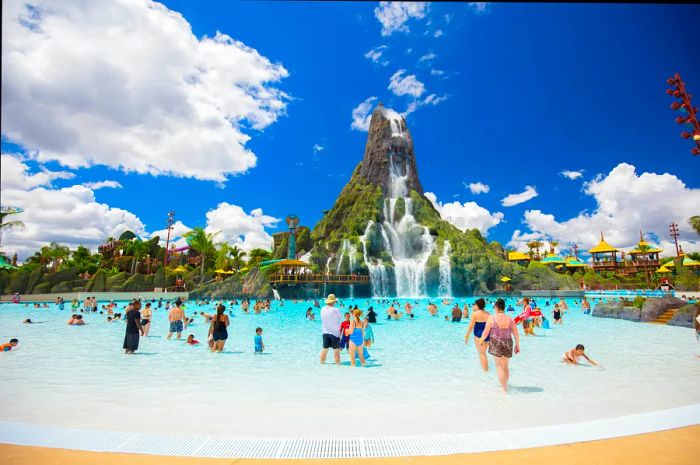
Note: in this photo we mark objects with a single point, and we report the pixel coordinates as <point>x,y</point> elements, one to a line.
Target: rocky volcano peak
<point>388,136</point>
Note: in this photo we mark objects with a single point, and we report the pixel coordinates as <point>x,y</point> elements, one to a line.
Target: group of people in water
<point>494,333</point>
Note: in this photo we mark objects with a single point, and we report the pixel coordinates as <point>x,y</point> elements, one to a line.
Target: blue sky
<point>526,92</point>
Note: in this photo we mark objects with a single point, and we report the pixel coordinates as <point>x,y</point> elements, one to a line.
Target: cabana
<point>519,258</point>
<point>604,256</point>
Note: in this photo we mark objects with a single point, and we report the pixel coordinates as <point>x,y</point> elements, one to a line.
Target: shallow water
<point>422,377</point>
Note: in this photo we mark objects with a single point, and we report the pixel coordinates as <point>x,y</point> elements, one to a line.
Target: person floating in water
<point>572,356</point>
<point>191,340</point>
<point>8,346</point>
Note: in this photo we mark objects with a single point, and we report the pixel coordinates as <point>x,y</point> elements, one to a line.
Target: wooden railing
<point>304,278</point>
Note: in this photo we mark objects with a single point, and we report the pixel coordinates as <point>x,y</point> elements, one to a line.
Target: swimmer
<point>571,357</point>
<point>191,340</point>
<point>8,346</point>
<point>310,315</point>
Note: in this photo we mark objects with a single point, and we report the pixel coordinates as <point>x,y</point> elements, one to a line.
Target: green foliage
<point>358,202</point>
<point>639,301</point>
<point>256,256</point>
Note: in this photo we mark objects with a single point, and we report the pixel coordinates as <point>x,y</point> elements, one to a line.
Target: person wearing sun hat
<point>330,328</point>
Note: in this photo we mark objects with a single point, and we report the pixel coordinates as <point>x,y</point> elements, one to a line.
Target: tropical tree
<point>237,255</point>
<point>5,224</point>
<point>553,245</point>
<point>202,242</point>
<point>138,249</point>
<point>695,223</point>
<point>534,245</point>
<point>256,256</point>
<point>223,260</point>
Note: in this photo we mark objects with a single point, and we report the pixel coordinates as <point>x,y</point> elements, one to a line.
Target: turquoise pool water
<point>422,378</point>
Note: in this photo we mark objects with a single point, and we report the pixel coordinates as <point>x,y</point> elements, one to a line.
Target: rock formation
<point>382,225</point>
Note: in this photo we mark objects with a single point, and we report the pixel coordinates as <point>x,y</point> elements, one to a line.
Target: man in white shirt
<point>330,326</point>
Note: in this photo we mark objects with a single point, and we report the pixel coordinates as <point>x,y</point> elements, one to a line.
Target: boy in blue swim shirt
<point>259,346</point>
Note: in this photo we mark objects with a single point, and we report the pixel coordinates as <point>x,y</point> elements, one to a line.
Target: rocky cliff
<point>388,134</point>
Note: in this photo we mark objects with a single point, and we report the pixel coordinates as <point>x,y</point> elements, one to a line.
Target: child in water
<point>8,346</point>
<point>571,357</point>
<point>257,339</point>
<point>191,340</point>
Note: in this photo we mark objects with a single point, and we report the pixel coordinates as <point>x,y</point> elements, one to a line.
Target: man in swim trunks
<point>330,328</point>
<point>176,315</point>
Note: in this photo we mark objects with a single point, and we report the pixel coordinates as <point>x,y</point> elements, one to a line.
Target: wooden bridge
<point>310,278</point>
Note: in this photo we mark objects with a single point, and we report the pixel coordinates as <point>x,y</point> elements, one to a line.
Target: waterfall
<point>378,277</point>
<point>445,289</point>
<point>350,250</point>
<point>409,243</point>
<point>276,294</point>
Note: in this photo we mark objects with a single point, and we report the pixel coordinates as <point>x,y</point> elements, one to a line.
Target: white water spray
<point>445,288</point>
<point>378,277</point>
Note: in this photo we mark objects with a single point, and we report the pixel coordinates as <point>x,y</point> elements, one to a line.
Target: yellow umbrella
<point>180,269</point>
<point>505,279</point>
<point>662,269</point>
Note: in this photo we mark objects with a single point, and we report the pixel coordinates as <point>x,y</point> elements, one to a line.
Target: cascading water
<point>409,243</point>
<point>445,288</point>
<point>350,250</point>
<point>378,277</point>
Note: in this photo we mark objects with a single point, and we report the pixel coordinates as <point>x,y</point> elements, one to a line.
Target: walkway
<point>672,447</point>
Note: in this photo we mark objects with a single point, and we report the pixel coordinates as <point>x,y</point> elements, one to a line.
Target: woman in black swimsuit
<point>218,329</point>
<point>557,314</point>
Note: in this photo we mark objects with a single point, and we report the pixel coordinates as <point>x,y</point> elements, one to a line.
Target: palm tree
<point>222,256</point>
<point>7,225</point>
<point>553,245</point>
<point>237,255</point>
<point>534,245</point>
<point>203,242</point>
<point>59,253</point>
<point>695,223</point>
<point>256,256</point>
<point>138,249</point>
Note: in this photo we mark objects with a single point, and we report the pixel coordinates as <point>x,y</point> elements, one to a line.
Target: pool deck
<point>678,447</point>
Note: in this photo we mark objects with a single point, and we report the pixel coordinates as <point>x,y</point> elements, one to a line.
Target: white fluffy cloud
<point>68,215</point>
<point>103,184</point>
<point>477,187</point>
<point>362,114</point>
<point>240,228</point>
<point>317,148</point>
<point>466,215</point>
<point>437,72</point>
<point>626,203</point>
<point>376,54</point>
<point>394,15</point>
<point>428,57</point>
<point>126,84</point>
<point>572,174</point>
<point>15,175</point>
<point>514,199</point>
<point>438,33</point>
<point>406,85</point>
